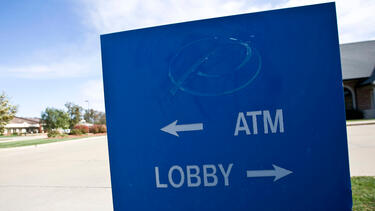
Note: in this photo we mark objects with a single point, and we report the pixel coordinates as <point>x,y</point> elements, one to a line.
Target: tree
<point>75,114</point>
<point>94,117</point>
<point>89,116</point>
<point>7,111</point>
<point>53,118</point>
<point>101,120</point>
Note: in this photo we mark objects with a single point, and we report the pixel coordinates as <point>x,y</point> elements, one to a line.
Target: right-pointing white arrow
<point>278,173</point>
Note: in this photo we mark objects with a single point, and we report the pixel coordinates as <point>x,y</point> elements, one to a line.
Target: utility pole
<point>88,109</point>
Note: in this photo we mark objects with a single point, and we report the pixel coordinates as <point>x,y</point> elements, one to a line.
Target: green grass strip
<point>5,139</point>
<point>37,142</point>
<point>363,189</point>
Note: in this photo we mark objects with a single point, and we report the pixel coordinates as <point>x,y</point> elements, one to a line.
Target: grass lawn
<point>363,189</point>
<point>3,136</point>
<point>37,141</point>
<point>4,139</point>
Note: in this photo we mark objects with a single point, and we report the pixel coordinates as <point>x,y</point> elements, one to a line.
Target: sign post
<point>243,112</point>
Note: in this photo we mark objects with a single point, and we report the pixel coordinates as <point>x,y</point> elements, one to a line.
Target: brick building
<point>358,72</point>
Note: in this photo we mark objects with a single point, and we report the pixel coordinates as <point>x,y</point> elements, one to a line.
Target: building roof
<point>20,120</point>
<point>358,60</point>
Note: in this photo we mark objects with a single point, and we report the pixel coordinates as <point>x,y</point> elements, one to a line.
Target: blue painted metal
<point>208,73</point>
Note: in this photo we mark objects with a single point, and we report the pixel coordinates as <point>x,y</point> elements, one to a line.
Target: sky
<point>50,50</point>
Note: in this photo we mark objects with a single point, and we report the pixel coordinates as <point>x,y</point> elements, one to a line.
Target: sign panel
<point>236,113</point>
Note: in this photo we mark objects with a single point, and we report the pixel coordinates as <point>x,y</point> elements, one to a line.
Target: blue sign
<point>243,112</point>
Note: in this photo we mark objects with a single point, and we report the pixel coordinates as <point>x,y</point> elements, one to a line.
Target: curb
<point>371,122</point>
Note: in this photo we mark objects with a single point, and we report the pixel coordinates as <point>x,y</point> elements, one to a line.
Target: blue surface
<point>208,72</point>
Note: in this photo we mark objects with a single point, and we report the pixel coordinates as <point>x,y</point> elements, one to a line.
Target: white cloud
<point>65,60</point>
<point>57,69</point>
<point>356,20</point>
<point>355,17</point>
<point>107,16</point>
<point>92,91</point>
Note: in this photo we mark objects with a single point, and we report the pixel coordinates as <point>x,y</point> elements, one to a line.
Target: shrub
<point>83,128</point>
<point>94,129</point>
<point>53,133</point>
<point>98,129</point>
<point>75,132</point>
<point>102,129</point>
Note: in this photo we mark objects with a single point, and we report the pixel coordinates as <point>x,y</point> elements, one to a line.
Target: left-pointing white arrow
<point>173,128</point>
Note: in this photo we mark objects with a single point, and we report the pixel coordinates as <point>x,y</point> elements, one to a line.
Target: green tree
<point>53,118</point>
<point>7,111</point>
<point>101,119</point>
<point>94,117</point>
<point>75,114</point>
<point>89,116</point>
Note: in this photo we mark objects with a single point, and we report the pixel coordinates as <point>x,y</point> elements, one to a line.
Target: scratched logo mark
<point>214,67</point>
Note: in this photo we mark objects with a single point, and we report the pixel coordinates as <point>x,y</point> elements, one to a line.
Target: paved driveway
<point>361,141</point>
<point>71,175</point>
<point>74,175</point>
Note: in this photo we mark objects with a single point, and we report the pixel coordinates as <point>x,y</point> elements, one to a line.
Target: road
<point>71,175</point>
<point>74,175</point>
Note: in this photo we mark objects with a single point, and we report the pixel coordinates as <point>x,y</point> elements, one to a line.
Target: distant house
<point>358,72</point>
<point>22,125</point>
<point>83,122</point>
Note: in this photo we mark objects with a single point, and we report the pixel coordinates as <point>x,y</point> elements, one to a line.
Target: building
<point>83,122</point>
<point>22,125</point>
<point>358,72</point>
